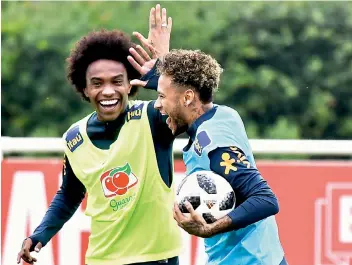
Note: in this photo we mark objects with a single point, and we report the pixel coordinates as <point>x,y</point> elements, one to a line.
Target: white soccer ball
<point>209,193</point>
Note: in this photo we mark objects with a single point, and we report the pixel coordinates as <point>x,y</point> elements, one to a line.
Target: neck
<point>113,118</point>
<point>198,111</point>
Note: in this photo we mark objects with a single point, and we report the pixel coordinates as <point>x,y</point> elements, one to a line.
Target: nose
<point>108,91</point>
<point>157,104</point>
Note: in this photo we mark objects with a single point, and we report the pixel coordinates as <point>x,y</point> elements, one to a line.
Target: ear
<point>85,92</point>
<point>188,97</point>
<point>129,88</point>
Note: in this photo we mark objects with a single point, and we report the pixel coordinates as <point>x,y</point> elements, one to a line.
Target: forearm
<point>254,209</point>
<point>220,226</point>
<point>60,211</point>
<point>62,207</point>
<point>255,199</point>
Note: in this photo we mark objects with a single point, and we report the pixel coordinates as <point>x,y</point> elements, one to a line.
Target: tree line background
<point>287,65</point>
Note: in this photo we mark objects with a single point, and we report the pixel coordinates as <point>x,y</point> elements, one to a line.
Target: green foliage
<point>287,65</point>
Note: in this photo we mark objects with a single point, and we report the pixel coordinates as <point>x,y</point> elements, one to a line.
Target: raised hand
<point>156,46</point>
<point>160,26</point>
<point>141,60</point>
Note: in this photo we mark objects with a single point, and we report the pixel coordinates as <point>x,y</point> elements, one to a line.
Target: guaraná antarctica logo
<point>118,181</point>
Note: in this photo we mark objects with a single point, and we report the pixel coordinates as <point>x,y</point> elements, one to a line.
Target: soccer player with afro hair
<point>120,155</point>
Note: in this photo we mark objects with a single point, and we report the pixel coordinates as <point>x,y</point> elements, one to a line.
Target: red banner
<point>315,219</point>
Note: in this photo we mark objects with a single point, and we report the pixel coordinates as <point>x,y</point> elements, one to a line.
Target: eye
<point>117,82</point>
<point>96,84</point>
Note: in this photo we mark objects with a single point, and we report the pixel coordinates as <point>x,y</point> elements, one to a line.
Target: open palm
<point>156,46</point>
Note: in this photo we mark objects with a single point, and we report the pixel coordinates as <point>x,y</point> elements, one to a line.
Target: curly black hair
<point>103,44</point>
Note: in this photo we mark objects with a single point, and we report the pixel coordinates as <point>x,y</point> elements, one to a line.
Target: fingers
<point>152,23</point>
<point>38,247</point>
<point>25,255</point>
<point>157,16</point>
<point>136,55</point>
<point>178,216</point>
<point>169,23</point>
<point>136,82</point>
<point>194,215</point>
<point>163,16</point>
<point>147,47</point>
<point>141,38</point>
<point>135,65</point>
<point>166,23</point>
<point>174,214</point>
<point>159,32</point>
<point>140,54</point>
<point>18,258</point>
<point>190,209</point>
<point>143,53</point>
<point>31,260</point>
<point>140,58</point>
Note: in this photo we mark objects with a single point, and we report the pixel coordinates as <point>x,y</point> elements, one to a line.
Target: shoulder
<point>225,128</point>
<point>223,117</point>
<point>230,159</point>
<point>155,116</point>
<point>137,104</point>
<point>136,108</point>
<point>73,129</point>
<point>225,113</point>
<point>229,154</point>
<point>152,112</point>
<point>73,136</point>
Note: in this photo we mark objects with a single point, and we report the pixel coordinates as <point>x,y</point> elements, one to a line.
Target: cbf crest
<point>202,140</point>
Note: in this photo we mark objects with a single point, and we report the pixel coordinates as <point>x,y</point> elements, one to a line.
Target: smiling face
<point>172,100</point>
<point>107,88</point>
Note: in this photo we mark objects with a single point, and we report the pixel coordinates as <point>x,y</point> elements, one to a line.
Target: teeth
<point>108,102</point>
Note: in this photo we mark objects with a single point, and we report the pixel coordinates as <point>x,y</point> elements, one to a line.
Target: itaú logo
<point>118,180</point>
<point>333,225</point>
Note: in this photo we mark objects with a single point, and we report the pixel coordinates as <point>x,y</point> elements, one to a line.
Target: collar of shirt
<point>192,130</point>
<point>97,129</point>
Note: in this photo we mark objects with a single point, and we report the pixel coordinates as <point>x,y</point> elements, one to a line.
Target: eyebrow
<point>118,76</point>
<point>94,78</point>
